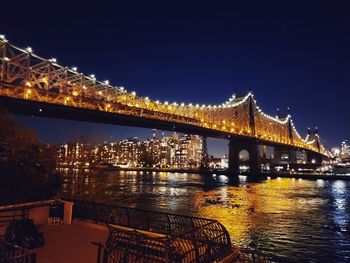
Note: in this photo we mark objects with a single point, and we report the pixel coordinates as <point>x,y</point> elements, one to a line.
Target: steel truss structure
<point>25,75</point>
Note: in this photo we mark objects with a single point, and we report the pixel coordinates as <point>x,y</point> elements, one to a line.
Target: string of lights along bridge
<point>27,77</point>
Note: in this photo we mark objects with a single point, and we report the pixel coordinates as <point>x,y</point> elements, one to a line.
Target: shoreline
<point>227,173</point>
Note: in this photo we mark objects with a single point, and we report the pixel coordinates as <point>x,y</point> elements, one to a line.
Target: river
<point>294,220</point>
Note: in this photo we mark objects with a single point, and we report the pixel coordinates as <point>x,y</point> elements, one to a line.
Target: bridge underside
<point>237,142</point>
<point>41,109</point>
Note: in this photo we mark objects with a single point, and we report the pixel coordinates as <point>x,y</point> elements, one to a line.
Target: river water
<point>292,219</point>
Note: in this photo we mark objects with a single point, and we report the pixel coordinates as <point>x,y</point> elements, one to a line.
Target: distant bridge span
<point>32,85</point>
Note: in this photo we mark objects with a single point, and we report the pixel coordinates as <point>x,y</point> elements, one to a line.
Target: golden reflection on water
<point>246,208</point>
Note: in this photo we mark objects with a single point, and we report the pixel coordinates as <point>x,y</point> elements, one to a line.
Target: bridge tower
<point>250,145</point>
<point>251,115</point>
<point>285,154</point>
<point>314,157</point>
<point>290,131</point>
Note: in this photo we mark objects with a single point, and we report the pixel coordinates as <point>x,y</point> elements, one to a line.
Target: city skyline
<point>96,134</point>
<point>91,132</point>
<point>227,60</point>
<point>160,151</point>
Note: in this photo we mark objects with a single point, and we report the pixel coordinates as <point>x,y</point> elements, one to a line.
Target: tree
<point>26,165</point>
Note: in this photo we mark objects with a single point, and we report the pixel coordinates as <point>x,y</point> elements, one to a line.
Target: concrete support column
<point>235,147</point>
<point>233,157</point>
<point>264,154</point>
<point>280,151</point>
<point>312,157</point>
<point>292,156</point>
<point>254,159</point>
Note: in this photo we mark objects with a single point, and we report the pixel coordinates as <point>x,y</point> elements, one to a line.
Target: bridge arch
<point>313,158</point>
<point>244,164</point>
<point>284,154</point>
<point>244,155</point>
<point>285,157</point>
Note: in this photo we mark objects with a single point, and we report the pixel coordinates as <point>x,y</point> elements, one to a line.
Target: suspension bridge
<point>33,85</point>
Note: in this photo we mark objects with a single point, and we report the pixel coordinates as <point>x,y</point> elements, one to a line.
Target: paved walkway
<point>71,243</point>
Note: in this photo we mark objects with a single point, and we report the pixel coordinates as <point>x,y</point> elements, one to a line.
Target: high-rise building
<point>175,151</point>
<point>345,151</point>
<point>73,154</point>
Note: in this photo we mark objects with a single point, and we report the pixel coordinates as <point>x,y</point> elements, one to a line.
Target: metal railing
<point>8,215</point>
<point>155,236</point>
<point>15,254</point>
<point>104,254</point>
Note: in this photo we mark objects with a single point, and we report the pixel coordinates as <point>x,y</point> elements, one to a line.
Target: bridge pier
<point>284,159</point>
<point>283,154</point>
<point>235,148</point>
<point>313,157</point>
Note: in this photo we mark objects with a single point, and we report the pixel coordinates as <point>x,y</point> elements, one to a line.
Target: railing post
<point>99,250</point>
<point>33,258</point>
<point>195,245</point>
<point>99,253</point>
<point>128,216</point>
<point>68,212</point>
<point>167,249</point>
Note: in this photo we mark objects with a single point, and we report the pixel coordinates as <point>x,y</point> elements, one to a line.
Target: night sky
<point>293,55</point>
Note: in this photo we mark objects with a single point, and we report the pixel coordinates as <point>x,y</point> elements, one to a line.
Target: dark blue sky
<point>293,55</point>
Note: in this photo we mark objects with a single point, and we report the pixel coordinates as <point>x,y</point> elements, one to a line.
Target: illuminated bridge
<point>34,85</point>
